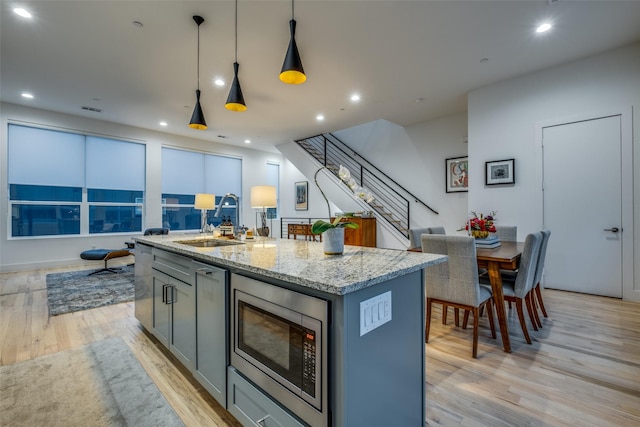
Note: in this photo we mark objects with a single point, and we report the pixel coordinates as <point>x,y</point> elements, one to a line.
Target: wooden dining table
<point>504,257</point>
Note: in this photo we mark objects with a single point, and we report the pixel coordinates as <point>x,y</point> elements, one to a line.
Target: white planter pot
<point>333,241</point>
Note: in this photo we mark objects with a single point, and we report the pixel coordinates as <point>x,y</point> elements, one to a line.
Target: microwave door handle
<point>260,422</point>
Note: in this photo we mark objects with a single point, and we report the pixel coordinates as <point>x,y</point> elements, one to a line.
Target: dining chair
<point>537,287</point>
<point>455,283</point>
<point>436,230</point>
<point>415,235</point>
<point>507,233</point>
<point>520,291</point>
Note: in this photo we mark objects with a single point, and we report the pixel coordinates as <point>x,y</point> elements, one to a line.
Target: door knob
<point>613,229</point>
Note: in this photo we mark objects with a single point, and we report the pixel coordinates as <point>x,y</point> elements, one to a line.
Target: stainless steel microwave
<point>280,343</point>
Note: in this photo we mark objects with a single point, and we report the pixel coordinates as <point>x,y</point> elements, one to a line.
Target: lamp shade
<point>197,118</point>
<point>263,196</point>
<point>205,201</point>
<point>292,71</point>
<point>235,101</point>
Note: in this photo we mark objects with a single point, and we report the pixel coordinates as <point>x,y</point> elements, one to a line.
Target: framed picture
<point>457,174</point>
<point>500,172</point>
<point>302,191</point>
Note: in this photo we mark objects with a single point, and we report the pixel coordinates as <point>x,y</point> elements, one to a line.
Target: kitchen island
<point>369,366</point>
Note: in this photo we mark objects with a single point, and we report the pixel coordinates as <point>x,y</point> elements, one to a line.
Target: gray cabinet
<point>161,310</point>
<point>144,286</point>
<point>252,407</point>
<point>174,307</point>
<point>212,330</point>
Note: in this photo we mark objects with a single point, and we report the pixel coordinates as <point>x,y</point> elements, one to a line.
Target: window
<point>185,173</point>
<point>55,176</point>
<point>115,184</point>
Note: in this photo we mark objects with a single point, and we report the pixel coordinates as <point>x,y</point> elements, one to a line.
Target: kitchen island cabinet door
<point>212,330</point>
<point>183,323</point>
<point>161,310</point>
<point>174,317</point>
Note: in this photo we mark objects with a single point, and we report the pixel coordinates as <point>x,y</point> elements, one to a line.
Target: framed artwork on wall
<point>457,174</point>
<point>500,172</point>
<point>302,192</point>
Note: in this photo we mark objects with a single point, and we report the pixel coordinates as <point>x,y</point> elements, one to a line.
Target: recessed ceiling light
<point>247,141</point>
<point>138,24</point>
<point>319,117</point>
<point>22,12</point>
<point>543,28</point>
<point>27,95</point>
<point>163,123</point>
<point>218,82</point>
<point>355,97</point>
<point>484,60</point>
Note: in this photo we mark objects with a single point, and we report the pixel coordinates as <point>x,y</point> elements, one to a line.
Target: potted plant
<point>333,232</point>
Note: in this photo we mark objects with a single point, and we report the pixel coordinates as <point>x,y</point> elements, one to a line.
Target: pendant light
<point>197,119</point>
<point>292,71</point>
<point>235,101</point>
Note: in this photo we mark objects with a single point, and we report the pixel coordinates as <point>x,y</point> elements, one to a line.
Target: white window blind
<point>115,165</point>
<point>223,175</point>
<point>186,172</point>
<point>45,157</point>
<point>182,172</point>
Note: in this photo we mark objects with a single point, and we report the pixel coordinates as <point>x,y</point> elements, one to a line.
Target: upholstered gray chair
<point>455,283</point>
<point>520,291</point>
<point>507,233</point>
<point>436,230</point>
<point>414,237</point>
<point>537,294</point>
<point>415,233</point>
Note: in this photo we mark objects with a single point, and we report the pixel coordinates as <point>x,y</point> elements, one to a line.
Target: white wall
<point>414,156</point>
<point>27,253</point>
<point>502,124</point>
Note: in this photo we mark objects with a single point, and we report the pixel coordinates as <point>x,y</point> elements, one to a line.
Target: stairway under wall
<point>339,194</point>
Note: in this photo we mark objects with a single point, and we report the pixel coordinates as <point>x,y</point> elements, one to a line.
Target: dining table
<point>504,257</point>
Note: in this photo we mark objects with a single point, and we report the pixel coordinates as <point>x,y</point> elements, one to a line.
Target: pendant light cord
<point>292,14</point>
<point>198,70</point>
<point>236,30</point>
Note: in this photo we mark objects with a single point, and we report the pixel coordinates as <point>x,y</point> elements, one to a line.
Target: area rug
<point>76,290</point>
<point>100,384</point>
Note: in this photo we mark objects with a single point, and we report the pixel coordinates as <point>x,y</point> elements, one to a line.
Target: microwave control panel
<point>309,362</point>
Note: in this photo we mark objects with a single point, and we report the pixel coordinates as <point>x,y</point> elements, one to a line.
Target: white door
<point>582,188</point>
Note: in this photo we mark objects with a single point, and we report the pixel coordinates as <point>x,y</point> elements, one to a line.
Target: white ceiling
<point>89,53</point>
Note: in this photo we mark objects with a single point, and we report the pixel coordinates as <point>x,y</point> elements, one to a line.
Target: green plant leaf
<point>320,227</point>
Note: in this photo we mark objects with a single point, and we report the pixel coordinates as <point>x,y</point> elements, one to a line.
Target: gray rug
<point>100,384</point>
<point>75,290</point>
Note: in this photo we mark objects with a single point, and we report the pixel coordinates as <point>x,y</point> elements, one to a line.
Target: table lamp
<point>263,196</point>
<point>204,202</point>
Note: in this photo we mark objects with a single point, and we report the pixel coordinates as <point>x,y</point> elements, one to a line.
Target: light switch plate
<point>374,312</point>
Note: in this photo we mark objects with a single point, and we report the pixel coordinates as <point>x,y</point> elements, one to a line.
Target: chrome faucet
<point>236,225</point>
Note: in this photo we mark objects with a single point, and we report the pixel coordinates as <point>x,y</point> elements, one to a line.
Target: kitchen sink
<point>208,243</point>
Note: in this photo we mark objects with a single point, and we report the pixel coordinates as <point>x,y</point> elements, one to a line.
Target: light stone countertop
<point>303,262</point>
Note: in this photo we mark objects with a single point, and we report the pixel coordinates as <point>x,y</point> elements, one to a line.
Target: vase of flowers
<point>333,232</point>
<point>480,225</point>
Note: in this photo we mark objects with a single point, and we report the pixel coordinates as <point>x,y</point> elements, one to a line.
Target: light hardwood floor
<point>583,368</point>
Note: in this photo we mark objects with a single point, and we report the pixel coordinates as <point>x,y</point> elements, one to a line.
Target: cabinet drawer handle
<point>260,422</point>
<point>172,299</point>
